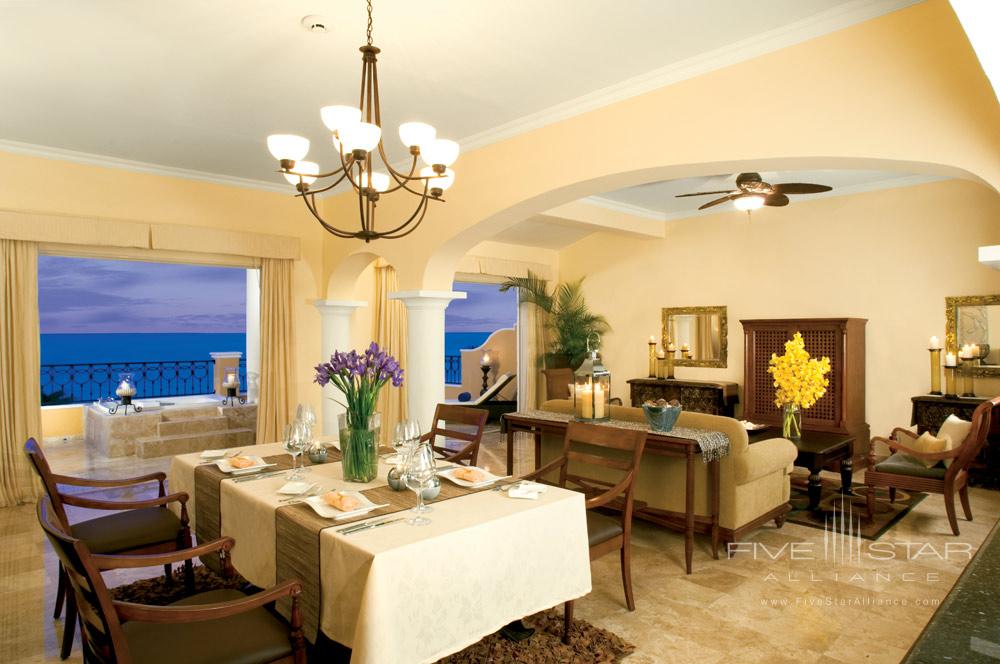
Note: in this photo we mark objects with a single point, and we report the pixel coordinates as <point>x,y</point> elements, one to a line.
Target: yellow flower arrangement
<point>798,380</point>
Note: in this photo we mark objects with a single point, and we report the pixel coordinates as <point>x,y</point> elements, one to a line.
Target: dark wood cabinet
<point>929,412</point>
<point>714,398</point>
<point>842,408</point>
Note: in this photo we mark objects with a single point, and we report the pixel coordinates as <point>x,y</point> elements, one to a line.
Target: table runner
<point>713,444</point>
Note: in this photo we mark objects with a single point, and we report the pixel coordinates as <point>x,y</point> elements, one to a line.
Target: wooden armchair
<point>473,418</point>
<point>136,527</point>
<point>218,626</point>
<point>605,534</point>
<point>899,472</point>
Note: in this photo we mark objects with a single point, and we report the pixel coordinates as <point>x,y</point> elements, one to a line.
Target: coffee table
<point>817,449</point>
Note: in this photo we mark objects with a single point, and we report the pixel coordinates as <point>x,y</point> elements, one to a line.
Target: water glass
<point>418,473</point>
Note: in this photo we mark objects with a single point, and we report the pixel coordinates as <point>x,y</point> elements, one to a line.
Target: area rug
<point>587,643</point>
<point>835,508</point>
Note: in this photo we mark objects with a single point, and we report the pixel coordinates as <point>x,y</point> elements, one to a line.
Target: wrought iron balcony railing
<point>83,383</point>
<point>453,369</point>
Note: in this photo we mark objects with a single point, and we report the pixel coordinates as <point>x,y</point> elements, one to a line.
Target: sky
<point>485,310</point>
<point>91,296</point>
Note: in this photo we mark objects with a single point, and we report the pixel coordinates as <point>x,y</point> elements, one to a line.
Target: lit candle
<point>949,360</point>
<point>935,343</point>
<point>585,397</point>
<point>671,347</point>
<point>598,401</point>
<point>685,347</point>
<point>652,339</point>
<point>660,354</point>
<point>125,390</point>
<point>485,361</point>
<point>232,381</point>
<point>974,351</point>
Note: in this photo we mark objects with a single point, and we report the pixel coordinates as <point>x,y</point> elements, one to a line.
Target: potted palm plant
<point>568,319</point>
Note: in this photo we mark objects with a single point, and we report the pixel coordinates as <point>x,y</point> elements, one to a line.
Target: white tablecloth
<point>414,594</point>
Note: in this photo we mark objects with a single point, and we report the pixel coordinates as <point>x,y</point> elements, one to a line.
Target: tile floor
<point>776,604</point>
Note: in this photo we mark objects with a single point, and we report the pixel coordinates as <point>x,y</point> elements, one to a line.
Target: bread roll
<point>242,462</point>
<point>341,501</point>
<point>473,475</point>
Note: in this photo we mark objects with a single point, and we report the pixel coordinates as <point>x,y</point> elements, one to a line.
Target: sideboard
<point>930,411</point>
<point>700,396</point>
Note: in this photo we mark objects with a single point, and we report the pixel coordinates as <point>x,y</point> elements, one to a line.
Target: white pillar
<point>336,317</point>
<point>425,350</point>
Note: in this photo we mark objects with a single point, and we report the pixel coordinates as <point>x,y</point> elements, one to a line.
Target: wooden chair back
<point>557,383</point>
<point>41,466</point>
<point>474,421</point>
<point>973,443</point>
<point>617,441</point>
<point>103,640</point>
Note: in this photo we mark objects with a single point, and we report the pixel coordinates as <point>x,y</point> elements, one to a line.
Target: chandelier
<point>357,138</point>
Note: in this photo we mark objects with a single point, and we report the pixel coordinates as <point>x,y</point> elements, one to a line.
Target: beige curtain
<point>20,390</point>
<point>276,404</point>
<point>389,332</point>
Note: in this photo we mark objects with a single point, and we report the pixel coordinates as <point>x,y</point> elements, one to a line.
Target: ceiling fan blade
<point>719,200</point>
<point>706,193</point>
<point>776,200</point>
<point>800,188</point>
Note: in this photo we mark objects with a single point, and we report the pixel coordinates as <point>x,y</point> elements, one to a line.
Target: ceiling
<point>198,85</point>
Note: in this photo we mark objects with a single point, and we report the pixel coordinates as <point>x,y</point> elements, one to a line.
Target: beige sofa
<point>754,480</point>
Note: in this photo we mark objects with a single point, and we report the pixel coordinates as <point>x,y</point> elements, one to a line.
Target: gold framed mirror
<point>975,319</point>
<point>704,330</point>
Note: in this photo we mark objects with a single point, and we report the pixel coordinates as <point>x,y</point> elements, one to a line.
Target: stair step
<point>184,443</point>
<point>193,425</point>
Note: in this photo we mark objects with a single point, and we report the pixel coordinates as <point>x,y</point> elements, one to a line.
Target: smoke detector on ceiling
<point>314,23</point>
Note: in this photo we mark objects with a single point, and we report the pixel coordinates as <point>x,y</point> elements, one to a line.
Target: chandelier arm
<point>325,188</point>
<point>392,235</point>
<point>403,180</point>
<point>421,210</point>
<point>376,104</point>
<point>361,203</point>
<point>311,206</point>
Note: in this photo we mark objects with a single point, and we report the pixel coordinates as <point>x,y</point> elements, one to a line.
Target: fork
<point>314,490</point>
<point>227,455</point>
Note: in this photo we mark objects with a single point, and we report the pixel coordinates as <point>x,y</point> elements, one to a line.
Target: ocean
<point>128,347</point>
<point>456,341</point>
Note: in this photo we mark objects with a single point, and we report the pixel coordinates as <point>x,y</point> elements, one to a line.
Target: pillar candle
<point>598,401</point>
<point>949,360</point>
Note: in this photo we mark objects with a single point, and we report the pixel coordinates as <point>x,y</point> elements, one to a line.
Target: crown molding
<point>61,154</point>
<point>817,25</point>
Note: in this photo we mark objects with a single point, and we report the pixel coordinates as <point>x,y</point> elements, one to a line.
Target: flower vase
<point>359,447</point>
<point>791,421</point>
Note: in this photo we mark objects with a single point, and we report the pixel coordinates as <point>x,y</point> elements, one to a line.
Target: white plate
<point>489,479</point>
<point>225,467</point>
<point>295,488</point>
<point>213,454</point>
<point>329,512</point>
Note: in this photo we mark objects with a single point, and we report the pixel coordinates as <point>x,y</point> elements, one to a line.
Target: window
<point>469,323</point>
<point>158,321</point>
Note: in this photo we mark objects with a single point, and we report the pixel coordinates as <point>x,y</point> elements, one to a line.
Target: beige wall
<point>889,256</point>
<point>502,346</point>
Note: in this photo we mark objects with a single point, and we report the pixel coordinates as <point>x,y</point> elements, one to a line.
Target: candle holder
<point>670,364</point>
<point>661,367</point>
<point>486,378</point>
<point>233,397</point>
<point>949,381</point>
<point>592,387</point>
<point>968,380</point>
<point>125,391</point>
<point>652,359</point>
<point>935,370</point>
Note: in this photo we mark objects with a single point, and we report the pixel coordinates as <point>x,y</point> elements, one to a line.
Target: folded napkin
<point>527,490</point>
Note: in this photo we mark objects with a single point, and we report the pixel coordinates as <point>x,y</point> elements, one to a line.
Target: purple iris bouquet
<point>360,377</point>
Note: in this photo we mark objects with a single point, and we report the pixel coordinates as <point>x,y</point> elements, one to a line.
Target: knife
<point>370,525</point>
<point>259,476</point>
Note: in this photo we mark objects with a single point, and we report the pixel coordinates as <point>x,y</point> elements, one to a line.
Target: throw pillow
<point>929,444</point>
<point>957,429</point>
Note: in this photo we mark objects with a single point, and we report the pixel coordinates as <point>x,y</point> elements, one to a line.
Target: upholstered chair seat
<point>122,531</point>
<point>601,528</point>
<point>904,464</point>
<point>253,637</point>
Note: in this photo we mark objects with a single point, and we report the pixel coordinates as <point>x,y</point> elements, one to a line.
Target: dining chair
<point>137,526</point>
<point>903,470</point>
<point>474,419</point>
<point>609,452</point>
<point>218,626</point>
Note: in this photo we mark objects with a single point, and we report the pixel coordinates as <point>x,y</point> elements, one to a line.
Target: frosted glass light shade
<point>439,151</point>
<point>380,181</point>
<point>360,136</point>
<point>416,134</point>
<point>339,146</point>
<point>308,169</point>
<point>747,203</point>
<point>441,182</point>
<point>287,146</point>
<point>335,117</point>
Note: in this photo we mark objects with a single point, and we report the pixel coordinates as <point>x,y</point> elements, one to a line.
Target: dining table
<point>396,592</point>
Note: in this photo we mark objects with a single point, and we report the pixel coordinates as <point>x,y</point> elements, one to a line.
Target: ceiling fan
<point>752,192</point>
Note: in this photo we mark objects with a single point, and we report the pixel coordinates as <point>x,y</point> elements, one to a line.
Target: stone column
<point>225,363</point>
<point>425,350</point>
<point>336,318</point>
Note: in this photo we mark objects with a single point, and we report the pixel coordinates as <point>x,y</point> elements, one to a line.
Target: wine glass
<point>291,446</point>
<point>412,430</point>
<point>418,474</point>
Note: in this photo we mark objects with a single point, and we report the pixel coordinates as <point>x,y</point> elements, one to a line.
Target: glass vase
<point>359,448</point>
<point>791,421</point>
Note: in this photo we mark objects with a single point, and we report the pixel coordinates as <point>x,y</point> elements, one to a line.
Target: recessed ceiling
<point>198,84</point>
<point>660,198</point>
<point>543,234</point>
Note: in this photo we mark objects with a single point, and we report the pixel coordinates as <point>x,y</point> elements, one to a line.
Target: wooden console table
<point>656,443</point>
<point>700,396</point>
<point>929,412</point>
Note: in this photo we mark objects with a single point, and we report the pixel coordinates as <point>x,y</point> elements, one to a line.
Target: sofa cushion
<point>765,457</point>
<point>253,637</point>
<point>904,464</point>
<point>601,528</point>
<point>130,529</point>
